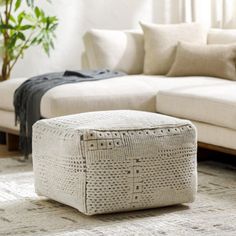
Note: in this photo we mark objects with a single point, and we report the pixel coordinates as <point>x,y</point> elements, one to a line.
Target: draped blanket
<point>27,97</point>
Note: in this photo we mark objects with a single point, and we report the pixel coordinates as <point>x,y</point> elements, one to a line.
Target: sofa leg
<point>2,138</point>
<point>12,142</point>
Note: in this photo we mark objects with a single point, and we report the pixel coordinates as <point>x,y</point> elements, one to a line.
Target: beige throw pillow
<point>160,43</point>
<point>205,60</point>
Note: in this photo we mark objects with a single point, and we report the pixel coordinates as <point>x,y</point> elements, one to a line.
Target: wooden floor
<point>5,153</point>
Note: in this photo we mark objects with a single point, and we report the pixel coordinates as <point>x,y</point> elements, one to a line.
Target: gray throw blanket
<point>28,96</point>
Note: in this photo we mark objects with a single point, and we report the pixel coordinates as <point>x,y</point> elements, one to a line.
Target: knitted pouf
<point>113,161</point>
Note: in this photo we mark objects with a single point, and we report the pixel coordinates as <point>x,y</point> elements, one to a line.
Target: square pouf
<point>113,161</point>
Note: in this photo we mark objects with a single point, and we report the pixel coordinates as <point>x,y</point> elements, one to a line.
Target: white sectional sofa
<point>209,102</point>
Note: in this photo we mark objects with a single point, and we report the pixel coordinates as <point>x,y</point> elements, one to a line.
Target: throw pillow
<point>115,50</point>
<point>160,43</point>
<point>205,60</point>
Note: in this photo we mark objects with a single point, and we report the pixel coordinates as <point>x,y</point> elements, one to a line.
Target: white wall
<point>75,18</point>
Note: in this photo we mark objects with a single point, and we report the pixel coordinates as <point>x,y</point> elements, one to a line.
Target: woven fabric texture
<point>113,161</point>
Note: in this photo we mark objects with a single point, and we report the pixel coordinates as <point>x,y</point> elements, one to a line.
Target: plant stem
<point>20,52</point>
<point>5,39</point>
<point>6,60</point>
<point>10,8</point>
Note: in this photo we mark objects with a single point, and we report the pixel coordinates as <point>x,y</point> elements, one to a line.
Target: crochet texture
<point>112,161</point>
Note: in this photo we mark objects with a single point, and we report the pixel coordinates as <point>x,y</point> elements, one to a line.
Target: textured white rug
<point>22,212</point>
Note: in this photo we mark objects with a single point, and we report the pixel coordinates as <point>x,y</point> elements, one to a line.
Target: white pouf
<point>113,161</point>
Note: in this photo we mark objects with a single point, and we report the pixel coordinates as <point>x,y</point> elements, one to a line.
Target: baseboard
<point>217,148</point>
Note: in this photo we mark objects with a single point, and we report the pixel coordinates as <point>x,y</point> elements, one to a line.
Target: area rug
<point>22,212</point>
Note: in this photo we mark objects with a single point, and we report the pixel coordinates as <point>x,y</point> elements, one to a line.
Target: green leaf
<point>52,44</point>
<point>21,36</point>
<point>12,19</point>
<point>25,27</point>
<point>12,41</point>
<point>53,27</point>
<point>17,4</point>
<point>46,48</point>
<point>37,12</point>
<point>20,17</point>
<point>30,18</point>
<point>34,41</point>
<point>4,26</point>
<point>48,22</point>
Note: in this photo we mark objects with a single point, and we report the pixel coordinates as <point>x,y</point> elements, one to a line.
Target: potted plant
<point>22,25</point>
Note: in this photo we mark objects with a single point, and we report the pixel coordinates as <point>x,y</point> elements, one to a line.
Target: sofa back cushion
<point>115,50</point>
<point>221,36</point>
<point>161,42</point>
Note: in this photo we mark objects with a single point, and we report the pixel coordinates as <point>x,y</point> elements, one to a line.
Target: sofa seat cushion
<point>128,92</point>
<point>214,104</point>
<point>136,92</point>
<point>7,89</point>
